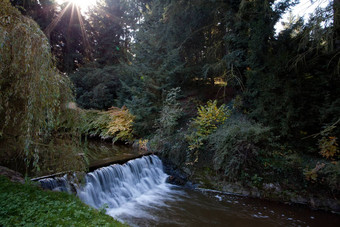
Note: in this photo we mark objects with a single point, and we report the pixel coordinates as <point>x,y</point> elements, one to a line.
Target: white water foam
<point>126,191</point>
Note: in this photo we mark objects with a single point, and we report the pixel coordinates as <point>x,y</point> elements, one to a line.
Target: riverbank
<point>207,179</point>
<point>267,191</point>
<point>244,157</point>
<point>148,201</point>
<point>28,205</point>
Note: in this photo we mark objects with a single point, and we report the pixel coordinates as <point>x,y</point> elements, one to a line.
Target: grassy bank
<point>28,205</point>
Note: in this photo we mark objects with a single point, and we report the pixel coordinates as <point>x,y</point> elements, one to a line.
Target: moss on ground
<point>28,205</point>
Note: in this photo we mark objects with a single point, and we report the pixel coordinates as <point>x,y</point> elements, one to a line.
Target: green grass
<point>28,205</point>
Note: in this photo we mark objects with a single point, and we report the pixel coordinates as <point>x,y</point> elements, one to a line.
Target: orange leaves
<point>329,147</point>
<point>120,124</point>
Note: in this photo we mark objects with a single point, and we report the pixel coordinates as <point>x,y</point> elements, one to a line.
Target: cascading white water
<point>115,185</point>
<point>124,190</point>
<point>137,193</point>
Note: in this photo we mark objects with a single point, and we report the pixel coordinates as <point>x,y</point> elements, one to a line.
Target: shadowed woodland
<point>212,86</point>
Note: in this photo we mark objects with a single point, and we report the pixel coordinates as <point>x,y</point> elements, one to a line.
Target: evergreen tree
<point>110,27</point>
<point>294,89</point>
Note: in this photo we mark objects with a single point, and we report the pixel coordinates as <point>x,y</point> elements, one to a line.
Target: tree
<point>110,27</point>
<point>336,12</point>
<point>34,95</point>
<point>64,26</point>
<point>294,90</point>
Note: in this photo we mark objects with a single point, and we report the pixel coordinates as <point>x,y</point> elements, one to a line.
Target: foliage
<point>115,123</point>
<point>143,144</point>
<point>329,147</point>
<point>34,96</point>
<point>169,137</point>
<point>311,175</point>
<point>237,143</point>
<point>143,53</point>
<point>172,148</point>
<point>28,205</point>
<point>302,93</point>
<point>325,175</point>
<point>110,25</point>
<point>158,63</point>
<point>96,87</point>
<point>330,177</point>
<point>170,112</point>
<point>209,117</point>
<point>120,124</point>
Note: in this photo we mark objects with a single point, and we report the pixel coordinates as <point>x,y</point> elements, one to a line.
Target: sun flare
<point>83,4</point>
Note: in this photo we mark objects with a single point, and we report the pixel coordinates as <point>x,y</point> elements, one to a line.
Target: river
<point>137,193</point>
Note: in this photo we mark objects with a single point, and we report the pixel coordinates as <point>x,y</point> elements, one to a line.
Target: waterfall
<point>115,185</point>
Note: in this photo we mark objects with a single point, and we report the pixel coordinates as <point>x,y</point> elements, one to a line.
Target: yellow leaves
<point>143,144</point>
<point>120,124</point>
<point>115,123</point>
<point>209,117</point>
<point>312,175</point>
<point>329,147</point>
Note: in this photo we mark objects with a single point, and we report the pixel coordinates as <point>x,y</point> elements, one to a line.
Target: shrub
<point>116,123</point>
<point>325,174</point>
<point>330,177</point>
<point>172,148</point>
<point>209,117</point>
<point>237,144</point>
<point>170,112</point>
<point>168,139</point>
<point>329,147</point>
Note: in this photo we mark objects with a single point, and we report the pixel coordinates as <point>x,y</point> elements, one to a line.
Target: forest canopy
<point>196,78</point>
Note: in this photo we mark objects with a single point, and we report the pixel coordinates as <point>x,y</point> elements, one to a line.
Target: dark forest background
<point>163,58</point>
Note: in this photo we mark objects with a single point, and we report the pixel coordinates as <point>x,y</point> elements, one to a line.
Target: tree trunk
<point>336,9</point>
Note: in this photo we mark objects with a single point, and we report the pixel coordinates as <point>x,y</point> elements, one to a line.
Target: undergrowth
<point>115,123</point>
<point>28,205</point>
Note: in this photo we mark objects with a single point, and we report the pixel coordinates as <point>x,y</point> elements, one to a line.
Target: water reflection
<point>183,207</point>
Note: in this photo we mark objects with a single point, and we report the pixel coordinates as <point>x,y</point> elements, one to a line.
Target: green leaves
<point>28,205</point>
<point>209,118</point>
<point>237,144</point>
<point>32,90</point>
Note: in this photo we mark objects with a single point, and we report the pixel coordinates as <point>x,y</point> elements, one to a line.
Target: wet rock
<point>325,204</point>
<point>255,193</point>
<point>175,175</point>
<point>299,200</point>
<point>187,170</point>
<point>190,185</point>
<point>175,180</point>
<point>11,174</point>
<point>245,193</point>
<point>272,187</point>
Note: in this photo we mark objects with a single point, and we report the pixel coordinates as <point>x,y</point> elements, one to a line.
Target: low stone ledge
<point>12,175</point>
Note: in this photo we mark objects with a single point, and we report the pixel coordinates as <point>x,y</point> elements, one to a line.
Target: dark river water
<point>176,206</point>
<point>137,193</point>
